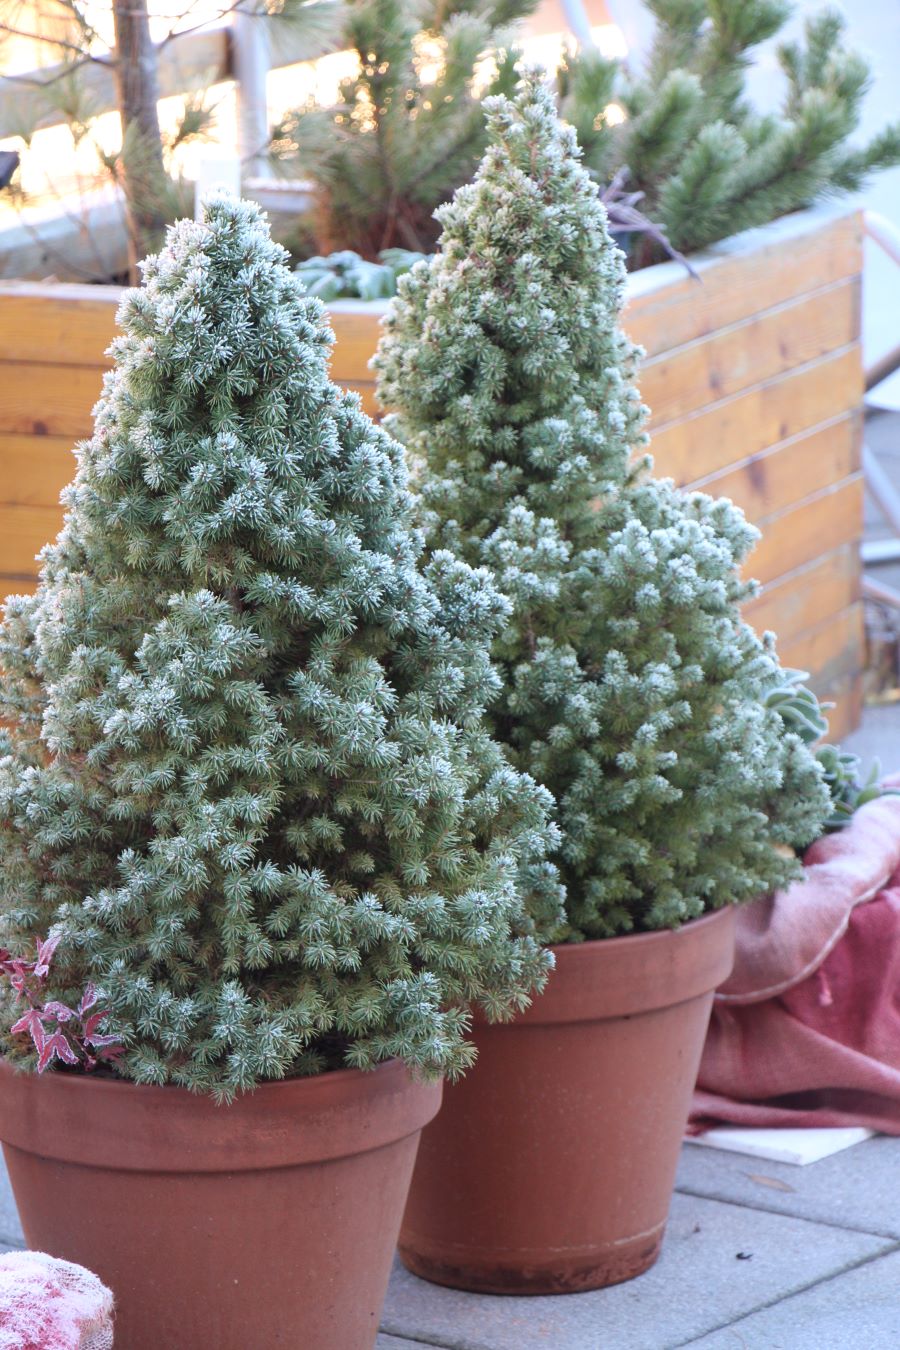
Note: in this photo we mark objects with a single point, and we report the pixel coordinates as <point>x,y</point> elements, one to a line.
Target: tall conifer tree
<point>632,688</point>
<point>246,782</point>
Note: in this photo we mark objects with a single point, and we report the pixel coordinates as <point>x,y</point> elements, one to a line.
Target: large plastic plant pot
<point>270,1222</point>
<point>551,1166</point>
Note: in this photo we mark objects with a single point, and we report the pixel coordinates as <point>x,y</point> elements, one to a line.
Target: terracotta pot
<point>267,1223</point>
<point>551,1166</point>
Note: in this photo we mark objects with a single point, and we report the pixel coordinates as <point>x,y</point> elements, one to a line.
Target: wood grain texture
<point>16,585</point>
<point>809,596</point>
<point>34,469</point>
<point>727,431</point>
<point>741,277</point>
<point>832,651</point>
<point>685,380</point>
<point>23,531</point>
<point>845,714</point>
<point>65,324</point>
<point>789,472</point>
<point>45,400</point>
<point>801,534</point>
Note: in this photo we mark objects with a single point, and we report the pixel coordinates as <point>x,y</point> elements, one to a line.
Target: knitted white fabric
<point>46,1304</point>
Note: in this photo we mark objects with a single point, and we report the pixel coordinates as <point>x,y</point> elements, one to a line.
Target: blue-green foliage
<point>632,689</point>
<point>345,275</point>
<point>246,776</point>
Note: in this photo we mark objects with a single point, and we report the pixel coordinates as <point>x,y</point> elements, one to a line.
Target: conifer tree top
<point>246,783</point>
<point>631,687</point>
<point>522,376</point>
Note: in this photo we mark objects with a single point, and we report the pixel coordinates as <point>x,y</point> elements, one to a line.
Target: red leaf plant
<point>74,1036</point>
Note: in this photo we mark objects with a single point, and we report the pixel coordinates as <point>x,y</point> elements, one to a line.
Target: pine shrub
<point>407,128</point>
<point>632,689</point>
<point>706,163</point>
<point>246,782</point>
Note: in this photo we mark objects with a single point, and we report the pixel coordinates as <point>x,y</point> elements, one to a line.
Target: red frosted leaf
<point>45,952</point>
<point>88,999</point>
<point>93,1023</point>
<point>83,1046</point>
<point>56,1047</point>
<point>111,1052</point>
<point>31,1022</point>
<point>98,1042</point>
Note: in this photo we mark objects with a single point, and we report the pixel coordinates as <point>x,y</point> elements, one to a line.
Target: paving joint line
<point>414,1340</point>
<point>735,1322</point>
<point>789,1214</point>
<point>432,1344</point>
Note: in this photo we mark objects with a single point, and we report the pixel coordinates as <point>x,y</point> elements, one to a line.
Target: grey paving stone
<point>10,1228</point>
<point>878,736</point>
<point>853,1189</point>
<point>698,1285</point>
<point>856,1311</point>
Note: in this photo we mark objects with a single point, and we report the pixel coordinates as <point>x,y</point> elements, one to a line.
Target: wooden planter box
<point>753,373</point>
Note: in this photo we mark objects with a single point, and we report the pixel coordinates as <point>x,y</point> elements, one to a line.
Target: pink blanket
<point>806,1031</point>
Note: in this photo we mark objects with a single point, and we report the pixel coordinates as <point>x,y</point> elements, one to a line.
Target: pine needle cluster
<point>705,161</point>
<point>407,128</point>
<point>245,778</point>
<point>632,688</point>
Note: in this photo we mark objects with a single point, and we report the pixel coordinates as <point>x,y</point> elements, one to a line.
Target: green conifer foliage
<point>408,126</point>
<point>705,161</point>
<point>632,689</point>
<point>246,778</point>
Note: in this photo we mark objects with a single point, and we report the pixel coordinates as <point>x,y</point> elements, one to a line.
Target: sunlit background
<point>57,163</point>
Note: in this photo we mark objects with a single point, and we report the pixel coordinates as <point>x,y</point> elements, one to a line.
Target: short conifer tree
<point>631,686</point>
<point>246,783</point>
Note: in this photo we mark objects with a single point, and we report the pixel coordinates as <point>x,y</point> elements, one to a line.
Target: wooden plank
<point>771,412</point>
<point>687,379</point>
<point>23,531</point>
<point>831,652</point>
<point>764,268</point>
<point>664,308</point>
<point>788,473</point>
<point>846,714</point>
<point>797,536</point>
<point>44,400</point>
<point>34,469</point>
<point>809,596</point>
<point>73,325</point>
<point>67,324</point>
<point>357,328</point>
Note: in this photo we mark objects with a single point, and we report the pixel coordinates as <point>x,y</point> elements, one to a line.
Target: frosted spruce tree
<point>246,782</point>
<point>632,689</point>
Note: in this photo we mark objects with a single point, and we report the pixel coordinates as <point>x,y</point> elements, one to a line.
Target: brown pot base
<point>551,1165</point>
<point>565,1276</point>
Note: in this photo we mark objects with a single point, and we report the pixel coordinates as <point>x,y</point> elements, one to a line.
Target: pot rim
<point>637,973</point>
<point>117,1124</point>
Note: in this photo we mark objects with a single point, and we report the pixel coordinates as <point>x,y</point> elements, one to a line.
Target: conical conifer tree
<point>632,689</point>
<point>246,780</point>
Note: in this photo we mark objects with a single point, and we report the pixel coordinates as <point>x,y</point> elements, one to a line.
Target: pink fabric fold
<point>806,1031</point>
